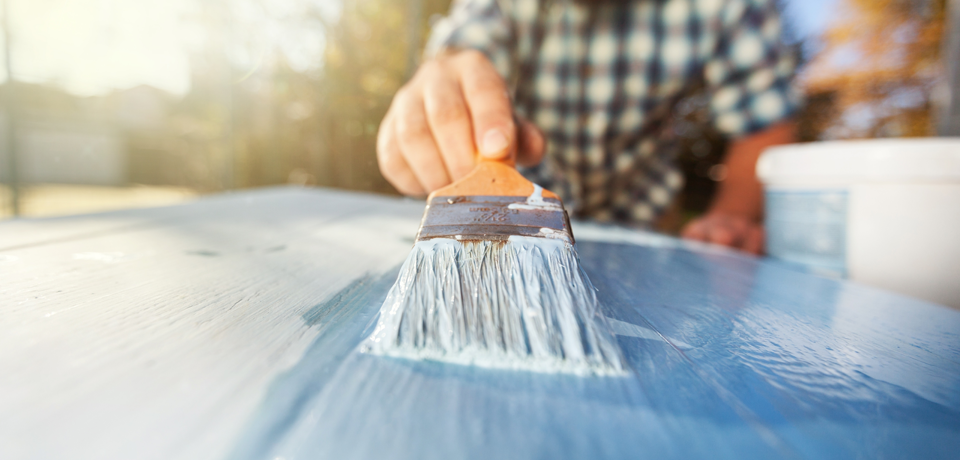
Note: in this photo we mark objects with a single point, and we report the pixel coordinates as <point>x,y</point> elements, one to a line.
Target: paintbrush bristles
<point>522,303</point>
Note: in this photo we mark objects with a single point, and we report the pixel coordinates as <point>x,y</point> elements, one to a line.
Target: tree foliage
<point>369,55</point>
<point>251,121</point>
<point>879,64</point>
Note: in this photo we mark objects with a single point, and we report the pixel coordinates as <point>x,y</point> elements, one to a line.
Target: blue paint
<point>774,364</point>
<point>343,319</point>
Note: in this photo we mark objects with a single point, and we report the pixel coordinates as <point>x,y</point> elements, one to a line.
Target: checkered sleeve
<point>475,24</point>
<point>750,75</point>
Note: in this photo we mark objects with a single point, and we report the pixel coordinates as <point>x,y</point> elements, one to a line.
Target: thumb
<point>532,143</point>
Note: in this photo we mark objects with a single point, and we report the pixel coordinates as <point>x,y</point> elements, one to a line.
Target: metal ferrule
<point>494,218</point>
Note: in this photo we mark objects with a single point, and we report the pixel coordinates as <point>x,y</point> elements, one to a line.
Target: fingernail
<point>493,144</point>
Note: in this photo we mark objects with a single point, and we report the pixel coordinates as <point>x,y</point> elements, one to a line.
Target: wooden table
<point>227,328</point>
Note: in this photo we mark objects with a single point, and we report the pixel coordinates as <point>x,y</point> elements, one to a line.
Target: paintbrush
<point>494,280</point>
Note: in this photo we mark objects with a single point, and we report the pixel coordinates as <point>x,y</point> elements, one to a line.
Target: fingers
<point>453,108</point>
<point>695,230</point>
<point>532,144</point>
<point>489,106</point>
<point>723,235</point>
<point>449,121</point>
<point>733,231</point>
<point>394,168</point>
<point>416,142</point>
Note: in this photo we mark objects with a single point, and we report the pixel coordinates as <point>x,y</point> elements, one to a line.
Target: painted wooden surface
<point>227,328</point>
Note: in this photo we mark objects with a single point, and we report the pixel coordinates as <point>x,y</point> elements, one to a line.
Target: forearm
<point>740,192</point>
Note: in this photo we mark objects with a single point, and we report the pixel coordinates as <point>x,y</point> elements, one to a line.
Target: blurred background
<point>112,104</point>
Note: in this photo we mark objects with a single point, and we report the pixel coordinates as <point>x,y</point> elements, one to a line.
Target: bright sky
<point>92,46</point>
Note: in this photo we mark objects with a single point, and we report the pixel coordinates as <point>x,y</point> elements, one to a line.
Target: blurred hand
<point>727,229</point>
<point>455,107</point>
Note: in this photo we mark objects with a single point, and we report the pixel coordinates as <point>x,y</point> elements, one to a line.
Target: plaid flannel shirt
<point>601,81</point>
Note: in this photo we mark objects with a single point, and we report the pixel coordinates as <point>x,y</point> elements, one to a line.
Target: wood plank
<point>158,331</point>
<point>227,328</point>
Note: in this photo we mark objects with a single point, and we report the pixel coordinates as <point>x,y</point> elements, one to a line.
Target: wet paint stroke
<point>729,357</point>
<point>342,320</point>
<point>345,302</point>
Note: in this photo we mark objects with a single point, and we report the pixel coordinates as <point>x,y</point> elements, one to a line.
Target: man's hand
<point>732,230</point>
<point>455,107</point>
<point>737,209</point>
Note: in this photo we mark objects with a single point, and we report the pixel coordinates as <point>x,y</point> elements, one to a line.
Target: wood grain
<point>228,328</point>
<point>154,333</point>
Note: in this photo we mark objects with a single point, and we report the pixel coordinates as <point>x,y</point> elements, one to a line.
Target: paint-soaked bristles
<point>523,303</point>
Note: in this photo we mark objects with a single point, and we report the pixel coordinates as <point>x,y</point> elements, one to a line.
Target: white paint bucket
<point>884,212</point>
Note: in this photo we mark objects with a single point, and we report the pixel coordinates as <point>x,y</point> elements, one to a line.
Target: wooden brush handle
<point>491,178</point>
